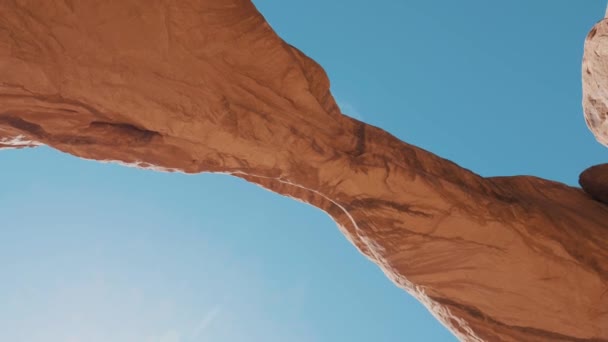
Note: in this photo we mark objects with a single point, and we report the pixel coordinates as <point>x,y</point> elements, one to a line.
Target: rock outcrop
<point>594,181</point>
<point>595,81</point>
<point>207,86</point>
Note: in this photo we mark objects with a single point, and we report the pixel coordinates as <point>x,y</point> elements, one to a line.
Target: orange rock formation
<point>594,181</point>
<point>207,86</point>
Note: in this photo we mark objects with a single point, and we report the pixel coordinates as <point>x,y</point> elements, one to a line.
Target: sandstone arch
<point>207,86</point>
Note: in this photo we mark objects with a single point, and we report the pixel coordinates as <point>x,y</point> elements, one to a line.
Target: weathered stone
<point>207,86</point>
<point>594,181</point>
<point>595,81</point>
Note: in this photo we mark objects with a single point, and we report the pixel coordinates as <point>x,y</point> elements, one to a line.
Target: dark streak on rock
<point>96,133</point>
<point>33,129</point>
<point>360,135</point>
<point>75,140</point>
<point>479,315</point>
<point>592,33</point>
<point>376,203</point>
<point>315,146</point>
<point>125,132</point>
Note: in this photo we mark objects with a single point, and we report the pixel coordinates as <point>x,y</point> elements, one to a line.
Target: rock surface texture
<point>207,86</point>
<point>594,181</point>
<point>595,81</point>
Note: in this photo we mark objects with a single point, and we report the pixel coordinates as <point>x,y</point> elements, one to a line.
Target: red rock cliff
<point>207,86</point>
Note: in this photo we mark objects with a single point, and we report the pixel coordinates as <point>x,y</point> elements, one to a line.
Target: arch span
<point>207,86</point>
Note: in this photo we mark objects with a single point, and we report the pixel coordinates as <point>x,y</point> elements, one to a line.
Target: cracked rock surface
<point>595,81</point>
<point>207,86</point>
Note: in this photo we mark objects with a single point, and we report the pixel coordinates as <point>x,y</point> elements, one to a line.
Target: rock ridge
<point>207,86</point>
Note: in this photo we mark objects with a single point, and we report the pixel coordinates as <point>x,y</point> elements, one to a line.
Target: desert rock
<point>207,86</point>
<point>594,181</point>
<point>595,81</point>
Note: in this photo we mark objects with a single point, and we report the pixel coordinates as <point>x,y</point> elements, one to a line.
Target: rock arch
<point>207,86</point>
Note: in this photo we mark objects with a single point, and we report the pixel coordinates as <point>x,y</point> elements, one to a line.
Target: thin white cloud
<point>349,109</point>
<point>206,321</point>
<point>169,336</point>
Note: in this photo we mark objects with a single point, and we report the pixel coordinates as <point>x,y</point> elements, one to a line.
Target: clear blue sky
<point>96,252</point>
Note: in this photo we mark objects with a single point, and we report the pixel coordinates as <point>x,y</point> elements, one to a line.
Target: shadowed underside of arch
<point>207,86</point>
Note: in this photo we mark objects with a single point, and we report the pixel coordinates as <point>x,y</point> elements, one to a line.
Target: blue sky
<point>98,252</point>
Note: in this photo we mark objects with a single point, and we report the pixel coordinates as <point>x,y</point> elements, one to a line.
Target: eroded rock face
<point>595,81</point>
<point>594,181</point>
<point>207,86</point>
